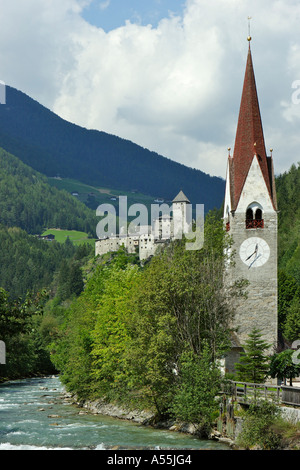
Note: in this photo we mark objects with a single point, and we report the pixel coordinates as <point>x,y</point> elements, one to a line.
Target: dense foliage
<point>135,333</point>
<point>29,264</point>
<point>283,366</point>
<point>288,193</point>
<point>29,202</point>
<point>260,427</point>
<point>198,386</point>
<point>38,270</point>
<point>26,353</point>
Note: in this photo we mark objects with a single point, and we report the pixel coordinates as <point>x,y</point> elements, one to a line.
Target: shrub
<point>259,427</point>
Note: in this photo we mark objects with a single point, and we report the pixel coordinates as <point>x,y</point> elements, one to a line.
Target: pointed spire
<point>181,197</point>
<point>249,136</point>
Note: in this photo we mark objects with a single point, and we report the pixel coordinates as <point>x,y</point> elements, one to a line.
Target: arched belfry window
<point>254,216</point>
<point>258,214</point>
<point>249,214</point>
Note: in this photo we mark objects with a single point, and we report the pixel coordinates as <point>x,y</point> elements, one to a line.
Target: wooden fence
<point>246,393</point>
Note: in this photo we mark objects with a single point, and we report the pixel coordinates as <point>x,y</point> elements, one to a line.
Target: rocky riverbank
<point>145,418</point>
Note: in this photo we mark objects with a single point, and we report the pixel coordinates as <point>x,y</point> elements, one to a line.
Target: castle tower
<point>250,215</point>
<point>182,217</point>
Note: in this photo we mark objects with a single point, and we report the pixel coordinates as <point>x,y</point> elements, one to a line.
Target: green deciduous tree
<point>110,333</point>
<point>291,329</point>
<point>283,367</point>
<point>199,382</point>
<point>19,323</point>
<point>179,306</point>
<point>288,292</point>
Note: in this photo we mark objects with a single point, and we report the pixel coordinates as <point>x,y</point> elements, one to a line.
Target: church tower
<point>250,215</point>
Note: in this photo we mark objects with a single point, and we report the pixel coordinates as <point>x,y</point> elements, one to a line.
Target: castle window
<point>254,216</point>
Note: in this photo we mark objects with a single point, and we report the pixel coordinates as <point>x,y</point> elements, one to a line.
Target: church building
<point>250,215</point>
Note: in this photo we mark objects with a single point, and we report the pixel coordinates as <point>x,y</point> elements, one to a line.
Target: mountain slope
<point>54,146</point>
<point>27,201</point>
<point>288,193</point>
<point>28,264</point>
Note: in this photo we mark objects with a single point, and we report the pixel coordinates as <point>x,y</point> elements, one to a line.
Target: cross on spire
<point>249,29</point>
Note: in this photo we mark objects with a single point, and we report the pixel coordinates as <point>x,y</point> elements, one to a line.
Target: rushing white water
<point>34,416</point>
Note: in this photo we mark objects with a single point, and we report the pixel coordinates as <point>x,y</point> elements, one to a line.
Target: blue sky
<point>111,14</point>
<point>165,74</point>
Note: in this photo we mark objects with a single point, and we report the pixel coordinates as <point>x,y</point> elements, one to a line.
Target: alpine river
<point>35,416</point>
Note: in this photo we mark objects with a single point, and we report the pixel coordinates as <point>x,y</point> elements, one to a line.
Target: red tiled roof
<point>249,138</point>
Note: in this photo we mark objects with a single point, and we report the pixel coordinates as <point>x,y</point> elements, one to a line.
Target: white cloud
<point>174,88</point>
<point>104,5</point>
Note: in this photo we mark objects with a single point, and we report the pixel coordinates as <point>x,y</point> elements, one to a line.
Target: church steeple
<point>250,217</point>
<point>249,140</point>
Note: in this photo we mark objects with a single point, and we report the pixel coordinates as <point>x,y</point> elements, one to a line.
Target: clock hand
<point>254,261</point>
<point>254,252</point>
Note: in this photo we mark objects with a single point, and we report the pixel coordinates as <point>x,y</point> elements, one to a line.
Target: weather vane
<point>249,35</point>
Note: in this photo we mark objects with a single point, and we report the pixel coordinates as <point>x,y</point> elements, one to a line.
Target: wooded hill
<point>288,194</point>
<point>29,205</point>
<point>27,201</point>
<point>54,147</point>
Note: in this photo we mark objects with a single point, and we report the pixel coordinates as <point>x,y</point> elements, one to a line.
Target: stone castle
<point>146,240</point>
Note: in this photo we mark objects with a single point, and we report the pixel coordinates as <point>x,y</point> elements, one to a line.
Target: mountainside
<point>288,194</point>
<point>28,264</point>
<point>54,147</point>
<point>27,201</point>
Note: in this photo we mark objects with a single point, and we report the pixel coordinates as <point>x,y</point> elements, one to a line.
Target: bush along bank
<point>262,425</point>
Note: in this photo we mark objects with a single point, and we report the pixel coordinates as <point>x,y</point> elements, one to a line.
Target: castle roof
<point>181,197</point>
<point>249,140</point>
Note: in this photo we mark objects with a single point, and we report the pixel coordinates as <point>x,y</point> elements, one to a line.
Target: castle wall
<point>112,244</point>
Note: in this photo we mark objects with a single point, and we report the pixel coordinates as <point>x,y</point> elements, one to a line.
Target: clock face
<point>254,252</point>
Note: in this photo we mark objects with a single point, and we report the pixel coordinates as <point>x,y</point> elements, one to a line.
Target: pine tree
<point>75,279</point>
<point>254,364</point>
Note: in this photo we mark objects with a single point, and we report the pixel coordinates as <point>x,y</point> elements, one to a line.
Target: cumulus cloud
<point>174,88</point>
<point>104,5</point>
